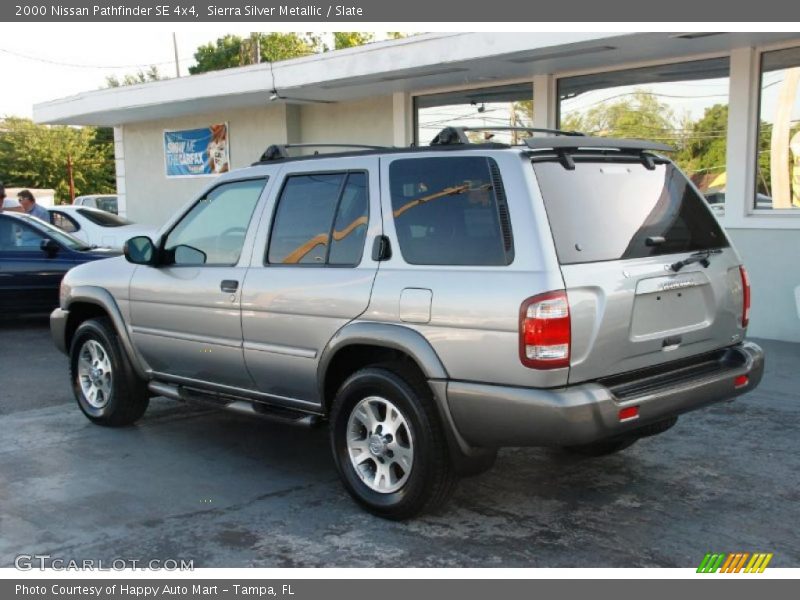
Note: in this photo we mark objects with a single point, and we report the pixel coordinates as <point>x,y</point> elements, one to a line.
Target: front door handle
<point>229,286</point>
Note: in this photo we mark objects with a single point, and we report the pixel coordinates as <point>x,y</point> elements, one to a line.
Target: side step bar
<point>244,406</point>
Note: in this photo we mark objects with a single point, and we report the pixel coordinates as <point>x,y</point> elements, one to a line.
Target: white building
<point>401,92</point>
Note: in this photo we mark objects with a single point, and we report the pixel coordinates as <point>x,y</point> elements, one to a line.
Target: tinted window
<point>213,231</point>
<point>606,211</point>
<point>104,219</point>
<point>307,212</point>
<point>108,203</point>
<point>350,227</point>
<point>446,211</point>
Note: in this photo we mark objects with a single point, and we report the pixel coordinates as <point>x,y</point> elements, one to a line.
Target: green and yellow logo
<point>734,562</point>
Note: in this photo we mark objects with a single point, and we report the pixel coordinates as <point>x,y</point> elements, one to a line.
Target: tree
<point>349,39</point>
<point>151,74</point>
<point>234,51</point>
<point>705,142</point>
<point>36,156</point>
<point>640,115</point>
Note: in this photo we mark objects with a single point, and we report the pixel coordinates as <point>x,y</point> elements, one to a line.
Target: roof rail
<point>280,151</point>
<point>456,134</point>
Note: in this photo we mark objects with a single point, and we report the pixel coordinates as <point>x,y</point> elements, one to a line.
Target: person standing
<point>28,203</point>
<point>8,204</point>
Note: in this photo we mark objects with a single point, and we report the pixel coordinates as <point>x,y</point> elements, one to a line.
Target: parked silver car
<point>431,304</point>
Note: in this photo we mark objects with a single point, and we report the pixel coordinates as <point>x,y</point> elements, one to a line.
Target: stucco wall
<point>368,121</point>
<point>772,258</point>
<point>151,197</point>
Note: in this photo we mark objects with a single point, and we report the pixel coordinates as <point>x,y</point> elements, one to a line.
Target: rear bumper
<point>497,416</point>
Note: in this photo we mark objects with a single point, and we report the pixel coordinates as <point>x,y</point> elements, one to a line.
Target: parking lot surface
<point>225,491</point>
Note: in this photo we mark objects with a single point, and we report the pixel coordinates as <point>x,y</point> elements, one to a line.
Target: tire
<point>396,438</point>
<point>601,448</point>
<point>107,389</point>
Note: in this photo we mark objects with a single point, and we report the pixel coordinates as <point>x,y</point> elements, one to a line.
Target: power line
<point>85,66</point>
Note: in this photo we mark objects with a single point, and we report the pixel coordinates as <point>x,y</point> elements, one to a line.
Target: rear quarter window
<point>603,211</point>
<point>450,211</point>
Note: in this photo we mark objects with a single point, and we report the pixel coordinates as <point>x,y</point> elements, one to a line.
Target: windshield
<point>54,232</point>
<point>104,219</point>
<point>602,211</point>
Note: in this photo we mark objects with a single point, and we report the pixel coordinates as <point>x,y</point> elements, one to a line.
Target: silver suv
<point>431,304</point>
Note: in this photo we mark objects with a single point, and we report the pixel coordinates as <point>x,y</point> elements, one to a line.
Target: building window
<point>778,160</point>
<point>504,106</point>
<point>682,104</point>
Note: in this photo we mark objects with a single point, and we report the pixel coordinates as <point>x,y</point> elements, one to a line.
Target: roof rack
<point>456,134</point>
<point>567,146</point>
<point>280,151</point>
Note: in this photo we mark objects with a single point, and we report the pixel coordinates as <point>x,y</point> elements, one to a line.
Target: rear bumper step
<point>497,416</point>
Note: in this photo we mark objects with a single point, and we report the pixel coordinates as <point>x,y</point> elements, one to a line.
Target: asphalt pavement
<point>226,491</point>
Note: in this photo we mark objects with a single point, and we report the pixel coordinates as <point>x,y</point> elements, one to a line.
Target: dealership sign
<point>193,152</point>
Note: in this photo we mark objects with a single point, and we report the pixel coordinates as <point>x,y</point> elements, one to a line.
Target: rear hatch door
<point>619,227</point>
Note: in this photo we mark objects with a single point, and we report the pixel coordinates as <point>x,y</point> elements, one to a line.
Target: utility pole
<point>175,47</point>
<point>71,179</point>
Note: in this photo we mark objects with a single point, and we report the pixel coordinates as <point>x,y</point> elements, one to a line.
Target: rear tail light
<point>544,331</point>
<point>745,296</point>
<point>741,381</point>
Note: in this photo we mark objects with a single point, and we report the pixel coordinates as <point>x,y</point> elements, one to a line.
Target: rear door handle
<point>229,286</point>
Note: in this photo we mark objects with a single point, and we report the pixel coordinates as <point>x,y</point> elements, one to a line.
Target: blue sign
<point>193,152</point>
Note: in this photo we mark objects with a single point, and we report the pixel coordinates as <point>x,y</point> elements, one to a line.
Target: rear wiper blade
<point>701,257</point>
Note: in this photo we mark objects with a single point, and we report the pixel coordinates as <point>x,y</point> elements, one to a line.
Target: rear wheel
<point>105,386</point>
<point>388,443</point>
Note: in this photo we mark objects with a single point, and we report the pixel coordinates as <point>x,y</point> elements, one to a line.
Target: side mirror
<point>49,246</point>
<point>140,250</point>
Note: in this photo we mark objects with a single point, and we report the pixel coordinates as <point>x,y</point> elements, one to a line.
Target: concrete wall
<point>773,263</point>
<point>151,197</point>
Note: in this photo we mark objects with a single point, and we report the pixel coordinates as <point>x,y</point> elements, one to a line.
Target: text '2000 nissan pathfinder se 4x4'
<point>431,304</point>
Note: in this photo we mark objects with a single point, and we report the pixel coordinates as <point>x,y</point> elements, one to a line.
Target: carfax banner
<point>195,152</point>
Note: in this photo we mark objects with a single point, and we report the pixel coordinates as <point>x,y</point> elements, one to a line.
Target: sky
<point>40,62</point>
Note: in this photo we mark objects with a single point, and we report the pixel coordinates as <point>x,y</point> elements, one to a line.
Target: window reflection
<point>778,159</point>
<point>684,105</point>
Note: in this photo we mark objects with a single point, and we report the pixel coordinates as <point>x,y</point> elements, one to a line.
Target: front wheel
<point>105,386</point>
<point>388,443</point>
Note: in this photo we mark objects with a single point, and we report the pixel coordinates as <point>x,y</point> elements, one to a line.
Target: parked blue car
<point>34,256</point>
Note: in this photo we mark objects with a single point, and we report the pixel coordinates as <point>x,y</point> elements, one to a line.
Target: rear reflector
<point>544,331</point>
<point>741,381</point>
<point>745,296</point>
<point>627,413</point>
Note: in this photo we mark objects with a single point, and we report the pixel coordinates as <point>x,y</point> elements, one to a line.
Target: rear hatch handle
<point>701,257</point>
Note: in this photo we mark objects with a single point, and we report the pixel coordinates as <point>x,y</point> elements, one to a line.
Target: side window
<point>63,222</point>
<point>321,219</point>
<point>18,237</point>
<point>350,227</point>
<point>213,231</point>
<point>450,211</point>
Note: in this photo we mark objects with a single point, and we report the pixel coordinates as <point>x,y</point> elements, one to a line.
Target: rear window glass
<point>450,211</point>
<point>607,211</point>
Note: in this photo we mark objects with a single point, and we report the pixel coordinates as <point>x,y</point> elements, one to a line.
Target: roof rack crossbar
<point>456,134</point>
<point>279,151</point>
